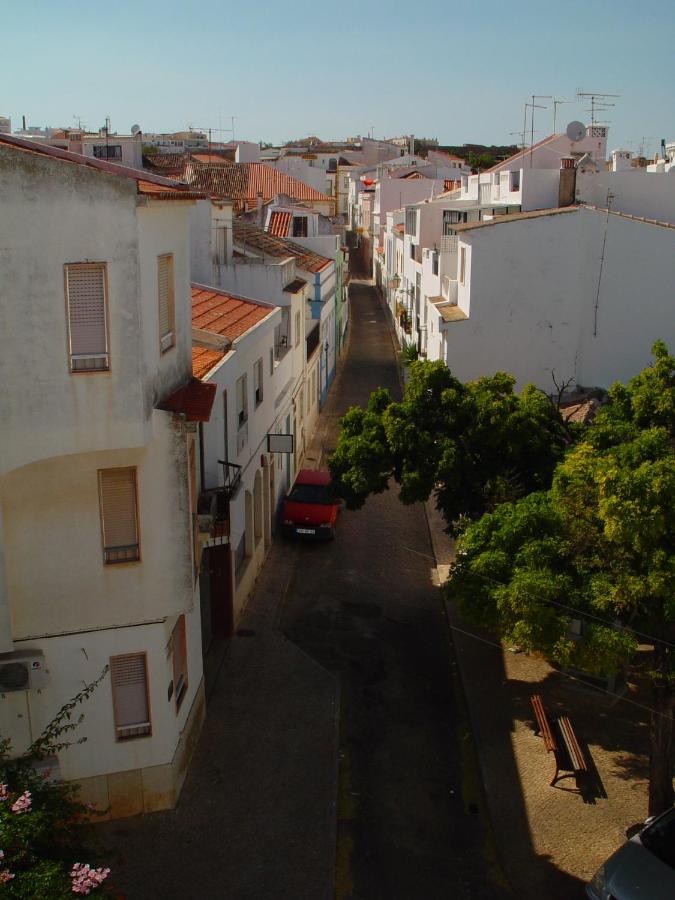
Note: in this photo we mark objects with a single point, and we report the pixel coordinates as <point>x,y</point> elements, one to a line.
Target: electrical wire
<point>616,697</point>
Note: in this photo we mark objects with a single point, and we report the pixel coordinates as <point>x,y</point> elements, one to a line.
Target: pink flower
<point>6,876</point>
<point>22,803</point>
<point>3,792</point>
<point>85,879</point>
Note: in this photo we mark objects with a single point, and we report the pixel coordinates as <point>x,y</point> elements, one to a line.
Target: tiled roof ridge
<point>268,243</point>
<point>196,286</point>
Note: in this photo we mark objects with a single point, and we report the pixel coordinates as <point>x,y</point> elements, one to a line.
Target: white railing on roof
<point>449,243</point>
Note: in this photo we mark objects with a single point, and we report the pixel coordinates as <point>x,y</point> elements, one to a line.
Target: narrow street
<point>365,607</point>
<point>333,758</point>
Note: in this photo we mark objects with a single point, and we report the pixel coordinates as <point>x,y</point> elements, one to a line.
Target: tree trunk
<point>661,737</point>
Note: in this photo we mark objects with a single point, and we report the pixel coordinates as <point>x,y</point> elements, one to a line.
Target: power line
<point>616,697</point>
<point>580,613</point>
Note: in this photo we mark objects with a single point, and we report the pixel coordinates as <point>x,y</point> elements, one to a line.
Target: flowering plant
<point>42,821</point>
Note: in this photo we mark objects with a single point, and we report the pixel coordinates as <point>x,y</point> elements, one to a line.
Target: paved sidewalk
<point>256,817</point>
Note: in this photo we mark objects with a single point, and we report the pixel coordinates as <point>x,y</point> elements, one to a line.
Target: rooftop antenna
<point>534,106</point>
<point>599,102</point>
<point>556,104</point>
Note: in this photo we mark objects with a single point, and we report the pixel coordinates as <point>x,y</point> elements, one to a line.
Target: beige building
<point>98,471</point>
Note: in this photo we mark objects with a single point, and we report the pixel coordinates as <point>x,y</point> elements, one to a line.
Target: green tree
<point>472,445</point>
<point>598,546</point>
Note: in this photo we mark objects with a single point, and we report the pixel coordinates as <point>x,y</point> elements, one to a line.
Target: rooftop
<point>245,182</point>
<point>147,183</point>
<point>256,240</point>
<point>226,314</point>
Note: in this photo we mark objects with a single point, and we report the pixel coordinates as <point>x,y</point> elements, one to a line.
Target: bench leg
<point>556,777</point>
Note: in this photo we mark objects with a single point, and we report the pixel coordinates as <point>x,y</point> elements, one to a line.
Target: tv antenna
<point>556,104</point>
<point>599,102</point>
<point>533,105</point>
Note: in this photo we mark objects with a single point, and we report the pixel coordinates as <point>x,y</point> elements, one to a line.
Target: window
<point>192,474</point>
<point>514,180</point>
<point>179,652</point>
<point>462,264</point>
<point>107,151</point>
<point>86,302</point>
<point>411,221</point>
<point>131,706</point>
<point>165,300</point>
<point>434,263</point>
<point>299,226</point>
<point>226,452</point>
<point>242,401</point>
<point>258,382</point>
<point>271,361</point>
<point>297,329</point>
<point>412,251</point>
<point>119,515</point>
<point>452,217</point>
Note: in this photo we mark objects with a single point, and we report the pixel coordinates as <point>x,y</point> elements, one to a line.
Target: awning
<point>194,401</point>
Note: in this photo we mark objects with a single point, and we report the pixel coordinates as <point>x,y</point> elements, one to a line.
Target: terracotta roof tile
<point>204,360</point>
<point>279,223</point>
<point>243,182</point>
<point>225,314</point>
<point>255,239</point>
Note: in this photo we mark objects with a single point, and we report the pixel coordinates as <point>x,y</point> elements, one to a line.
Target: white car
<point>643,869</point>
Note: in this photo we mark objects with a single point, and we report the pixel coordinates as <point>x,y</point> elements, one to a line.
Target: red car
<point>311,509</point>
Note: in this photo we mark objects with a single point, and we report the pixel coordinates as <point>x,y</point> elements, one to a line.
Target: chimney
<point>411,146</point>
<point>259,208</point>
<point>568,181</point>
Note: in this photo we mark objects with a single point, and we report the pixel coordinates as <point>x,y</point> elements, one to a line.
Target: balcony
<point>449,290</point>
<point>213,507</point>
<point>449,243</point>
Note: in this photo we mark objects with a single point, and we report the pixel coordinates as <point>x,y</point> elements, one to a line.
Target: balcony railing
<point>449,243</point>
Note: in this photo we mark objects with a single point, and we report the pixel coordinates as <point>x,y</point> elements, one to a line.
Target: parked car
<point>643,869</point>
<point>311,509</point>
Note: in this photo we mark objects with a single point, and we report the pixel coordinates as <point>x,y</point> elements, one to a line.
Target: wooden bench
<point>560,740</point>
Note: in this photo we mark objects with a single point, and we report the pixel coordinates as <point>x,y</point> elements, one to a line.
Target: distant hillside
<point>478,156</point>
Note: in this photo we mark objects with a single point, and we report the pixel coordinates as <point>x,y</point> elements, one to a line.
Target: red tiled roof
<point>251,238</point>
<point>279,224</point>
<point>147,182</point>
<point>204,360</point>
<point>194,400</point>
<point>243,182</point>
<point>215,157</point>
<point>225,314</point>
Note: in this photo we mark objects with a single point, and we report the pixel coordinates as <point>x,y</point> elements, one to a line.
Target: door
<point>220,590</point>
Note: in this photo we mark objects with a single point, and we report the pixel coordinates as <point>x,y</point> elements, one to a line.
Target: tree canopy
<point>598,546</point>
<point>474,445</point>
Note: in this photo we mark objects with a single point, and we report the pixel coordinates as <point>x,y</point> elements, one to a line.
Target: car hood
<point>309,513</point>
<point>633,873</point>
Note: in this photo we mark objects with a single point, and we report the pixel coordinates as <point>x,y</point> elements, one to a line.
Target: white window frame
<point>98,360</point>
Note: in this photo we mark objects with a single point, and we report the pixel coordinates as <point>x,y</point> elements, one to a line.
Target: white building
<point>242,481</point>
<point>97,477</point>
<point>579,294</point>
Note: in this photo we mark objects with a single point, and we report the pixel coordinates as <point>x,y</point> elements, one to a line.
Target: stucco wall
<point>530,295</point>
<point>57,581</point>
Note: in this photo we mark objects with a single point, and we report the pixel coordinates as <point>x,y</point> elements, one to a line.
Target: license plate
<point>306,530</point>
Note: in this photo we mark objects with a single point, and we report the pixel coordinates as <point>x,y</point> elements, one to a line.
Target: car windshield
<point>659,838</point>
<point>311,493</point>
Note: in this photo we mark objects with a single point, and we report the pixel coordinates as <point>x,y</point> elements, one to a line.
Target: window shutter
<point>130,696</point>
<point>165,299</point>
<point>180,679</point>
<point>118,514</point>
<point>85,288</point>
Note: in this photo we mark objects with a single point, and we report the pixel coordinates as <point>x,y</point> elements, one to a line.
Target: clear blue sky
<point>457,71</point>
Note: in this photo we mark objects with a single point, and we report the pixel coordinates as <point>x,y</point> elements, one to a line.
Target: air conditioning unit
<point>21,671</point>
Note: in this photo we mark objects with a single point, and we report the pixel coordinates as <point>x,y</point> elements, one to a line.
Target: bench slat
<point>544,725</point>
<point>574,751</point>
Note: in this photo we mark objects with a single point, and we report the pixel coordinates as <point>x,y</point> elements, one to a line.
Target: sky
<point>460,72</point>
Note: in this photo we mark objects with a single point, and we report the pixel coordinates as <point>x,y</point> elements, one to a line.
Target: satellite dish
<point>576,131</point>
<point>135,129</point>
